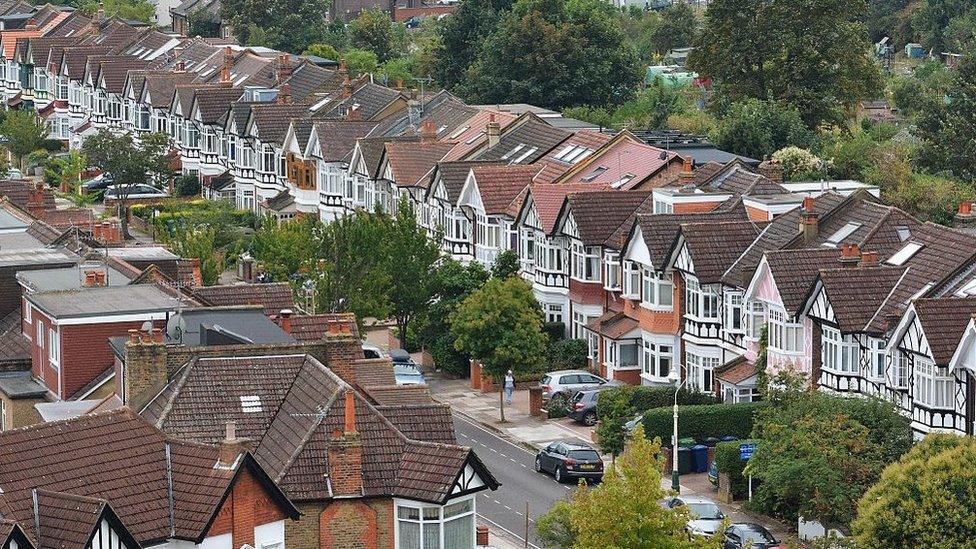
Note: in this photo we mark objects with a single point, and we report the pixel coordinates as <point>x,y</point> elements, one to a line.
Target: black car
<point>99,183</point>
<point>399,356</point>
<point>756,536</point>
<point>582,408</point>
<point>567,460</point>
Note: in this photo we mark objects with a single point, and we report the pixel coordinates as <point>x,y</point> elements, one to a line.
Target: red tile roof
<point>501,186</point>
<point>273,297</point>
<point>549,198</point>
<point>412,161</point>
<point>625,162</point>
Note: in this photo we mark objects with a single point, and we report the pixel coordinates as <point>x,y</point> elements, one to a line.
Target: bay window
<point>527,247</point>
<point>489,232</point>
<point>63,88</point>
<point>550,256</point>
<point>656,359</point>
<point>192,135</point>
<point>701,300</point>
<point>612,279</point>
<point>435,527</point>
<point>554,312</point>
<point>899,370</point>
<point>785,335</point>
<point>879,358</point>
<point>267,159</point>
<point>629,354</point>
<point>932,385</point>
<point>701,371</point>
<point>209,140</point>
<point>755,319</point>
<point>657,291</point>
<point>632,275</point>
<point>840,352</point>
<point>586,262</point>
<point>733,313</point>
<point>114,107</point>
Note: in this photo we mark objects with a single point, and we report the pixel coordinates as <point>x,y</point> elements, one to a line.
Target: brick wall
<point>20,412</point>
<point>10,289</point>
<point>85,352</point>
<point>357,524</point>
<point>248,505</point>
<point>585,293</point>
<point>755,214</point>
<point>41,366</point>
<point>145,370</point>
<point>695,207</point>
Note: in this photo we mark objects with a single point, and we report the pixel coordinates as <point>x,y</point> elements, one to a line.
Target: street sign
<point>746,451</point>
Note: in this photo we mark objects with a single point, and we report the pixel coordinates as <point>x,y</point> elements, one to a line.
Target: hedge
<point>727,458</point>
<point>704,421</point>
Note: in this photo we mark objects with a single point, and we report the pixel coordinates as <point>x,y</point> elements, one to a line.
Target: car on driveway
<point>748,535</point>
<point>100,182</point>
<point>569,460</point>
<point>705,517</point>
<point>406,374</point>
<point>133,192</point>
<point>558,387</point>
<point>582,408</point>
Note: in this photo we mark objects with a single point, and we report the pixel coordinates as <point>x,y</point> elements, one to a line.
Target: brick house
<point>163,493</point>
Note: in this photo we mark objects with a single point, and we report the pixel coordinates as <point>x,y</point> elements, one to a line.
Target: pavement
<point>509,450</point>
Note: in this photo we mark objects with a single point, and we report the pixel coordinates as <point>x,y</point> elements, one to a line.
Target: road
<point>513,467</point>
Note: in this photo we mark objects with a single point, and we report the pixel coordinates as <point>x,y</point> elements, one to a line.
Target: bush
<point>554,411</point>
<point>566,354</point>
<point>187,185</point>
<point>703,421</point>
<point>617,406</point>
<point>555,330</point>
<point>727,458</point>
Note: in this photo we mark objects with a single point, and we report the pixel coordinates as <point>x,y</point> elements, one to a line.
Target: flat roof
<point>64,409</point>
<point>20,385</point>
<point>107,300</point>
<point>32,256</point>
<point>248,323</point>
<point>141,252</point>
<point>9,221</point>
<point>66,278</point>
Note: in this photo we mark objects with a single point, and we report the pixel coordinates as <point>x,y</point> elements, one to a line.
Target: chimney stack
<point>493,130</point>
<point>284,318</point>
<point>687,174</point>
<point>428,132</point>
<point>35,201</point>
<point>145,371</point>
<point>284,68</point>
<point>95,278</point>
<point>869,259</point>
<point>772,170</point>
<point>284,94</point>
<point>850,254</point>
<point>809,221</point>
<point>398,86</point>
<point>180,67</point>
<point>345,456</point>
<point>230,448</point>
<point>965,218</point>
<point>31,25</point>
<point>354,112</point>
<point>346,86</point>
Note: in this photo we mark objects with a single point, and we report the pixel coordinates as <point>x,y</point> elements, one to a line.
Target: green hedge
<point>701,422</point>
<point>727,458</point>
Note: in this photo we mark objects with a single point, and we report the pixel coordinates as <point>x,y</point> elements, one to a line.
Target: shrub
<point>187,185</point>
<point>566,354</point>
<point>555,330</point>
<point>617,406</point>
<point>703,421</point>
<point>727,458</point>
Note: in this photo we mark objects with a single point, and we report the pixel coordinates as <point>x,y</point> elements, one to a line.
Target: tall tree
<point>131,163</point>
<point>934,20</point>
<point>676,29</point>
<point>500,325</point>
<point>816,58</point>
<point>287,25</point>
<point>926,499</point>
<point>136,10</point>
<point>625,510</point>
<point>201,243</point>
<point>757,128</point>
<point>462,35</point>
<point>556,54</point>
<point>25,133</point>
<point>346,278</point>
<point>374,31</point>
<point>946,127</point>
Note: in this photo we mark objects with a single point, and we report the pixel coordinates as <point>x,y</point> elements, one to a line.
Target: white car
<point>705,515</point>
<point>134,191</point>
<point>560,386</point>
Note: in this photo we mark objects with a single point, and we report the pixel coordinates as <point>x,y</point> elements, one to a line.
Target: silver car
<point>706,517</point>
<point>558,387</point>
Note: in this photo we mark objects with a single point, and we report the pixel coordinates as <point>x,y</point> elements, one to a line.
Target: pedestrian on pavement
<point>509,387</point>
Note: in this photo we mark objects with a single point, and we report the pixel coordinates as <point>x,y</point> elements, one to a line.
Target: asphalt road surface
<point>504,509</point>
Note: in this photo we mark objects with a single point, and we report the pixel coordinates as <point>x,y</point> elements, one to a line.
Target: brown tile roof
<point>272,119</point>
<point>161,85</point>
<point>795,271</point>
<point>660,230</point>
<point>454,173</point>
<point>501,186</point>
<point>739,180</point>
<point>857,293</point>
<point>530,132</point>
<point>70,217</point>
<point>549,199</point>
<point>612,324</point>
<point>396,395</point>
<point>554,167</point>
<point>944,322</point>
<point>14,347</point>
<point>422,421</point>
<point>716,245</point>
<point>17,191</point>
<point>76,58</point>
<point>599,213</point>
<point>214,103</point>
<point>337,138</point>
<point>311,328</point>
<point>369,98</point>
<point>736,371</point>
<point>68,520</point>
<point>273,297</point>
<point>113,72</point>
<point>411,161</point>
<point>308,78</point>
<point>373,372</point>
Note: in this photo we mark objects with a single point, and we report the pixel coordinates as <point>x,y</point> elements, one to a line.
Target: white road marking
<point>507,531</point>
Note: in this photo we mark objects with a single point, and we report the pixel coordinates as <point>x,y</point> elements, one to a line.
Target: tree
<point>346,279</point>
<point>555,54</point>
<point>500,325</point>
<point>287,25</point>
<point>506,264</point>
<point>360,62</point>
<point>946,127</point>
<point>799,164</point>
<point>934,21</point>
<point>203,23</point>
<point>676,29</point>
<point>625,510</point>
<point>25,133</point>
<point>69,169</point>
<point>373,31</point>
<point>325,51</point>
<point>815,59</point>
<point>650,108</point>
<point>757,128</point>
<point>136,10</point>
<point>200,243</point>
<point>926,499</point>
<point>462,36</point>
<point>819,453</point>
<point>409,259</point>
<point>131,163</point>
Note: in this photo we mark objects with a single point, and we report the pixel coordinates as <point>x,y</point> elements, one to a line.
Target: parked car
<point>560,386</point>
<point>756,536</point>
<point>134,191</point>
<point>14,173</point>
<point>631,425</point>
<point>372,351</point>
<point>98,183</point>
<point>582,408</point>
<point>408,375</point>
<point>706,517</point>
<point>399,356</point>
<point>567,460</point>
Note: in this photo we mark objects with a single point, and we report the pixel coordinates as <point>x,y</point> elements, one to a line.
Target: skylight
<point>517,148</point>
<point>440,129</point>
<point>457,133</point>
<point>841,234</point>
<point>474,138</point>
<point>904,233</point>
<point>595,174</point>
<point>525,155</point>
<point>904,254</point>
<point>571,154</point>
<point>251,404</point>
<point>622,181</point>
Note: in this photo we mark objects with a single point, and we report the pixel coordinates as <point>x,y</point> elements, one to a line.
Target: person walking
<point>509,387</point>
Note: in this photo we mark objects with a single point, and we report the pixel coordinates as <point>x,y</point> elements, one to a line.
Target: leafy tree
<point>131,163</point>
<point>396,70</point>
<point>758,128</point>
<point>799,164</point>
<point>409,260</point>
<point>462,36</point>
<point>931,197</point>
<point>594,115</point>
<point>201,243</point>
<point>883,18</point>
<point>346,279</point>
<point>203,23</point>
<point>676,29</point>
<point>25,133</point>
<point>325,51</point>
<point>650,108</point>
<point>815,59</point>
<point>69,170</point>
<point>506,264</point>
<point>136,10</point>
<point>945,127</point>
<point>360,62</point>
<point>555,54</point>
<point>187,185</point>
<point>287,25</point>
<point>625,510</point>
<point>566,354</point>
<point>374,31</point>
<point>926,499</point>
<point>935,18</point>
<point>500,325</point>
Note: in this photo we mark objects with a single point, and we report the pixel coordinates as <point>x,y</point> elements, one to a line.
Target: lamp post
<point>674,441</point>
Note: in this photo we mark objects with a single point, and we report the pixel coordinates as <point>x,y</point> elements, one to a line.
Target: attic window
<point>525,155</point>
<point>904,233</point>
<point>622,181</point>
<point>251,404</point>
<point>474,138</point>
<point>512,152</point>
<point>595,174</point>
<point>573,154</point>
<point>440,129</point>
<point>968,290</point>
<point>841,234</point>
<point>904,254</point>
<point>457,133</point>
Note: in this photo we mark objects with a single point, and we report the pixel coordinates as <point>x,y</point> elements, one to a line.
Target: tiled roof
<point>17,190</point>
<point>612,324</point>
<point>422,421</point>
<point>453,174</point>
<point>448,114</point>
<point>944,321</point>
<point>311,328</point>
<point>371,149</point>
<point>528,132</point>
<point>474,136</point>
<point>624,163</point>
<point>214,103</point>
<point>554,167</point>
<point>501,186</point>
<point>308,78</point>
<point>660,230</point>
<point>715,245</point>
<point>599,213</point>
<point>549,199</point>
<point>69,217</point>
<point>370,99</point>
<point>857,293</point>
<point>736,371</point>
<point>337,138</point>
<point>411,161</point>
<point>393,396</point>
<point>272,119</point>
<point>273,297</point>
<point>14,347</point>
<point>739,180</point>
<point>114,71</point>
<point>796,270</point>
<point>160,85</point>
<point>76,58</point>
<point>280,202</point>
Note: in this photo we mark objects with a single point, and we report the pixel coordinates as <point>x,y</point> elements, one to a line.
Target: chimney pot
<point>230,448</point>
<point>869,258</point>
<point>133,336</point>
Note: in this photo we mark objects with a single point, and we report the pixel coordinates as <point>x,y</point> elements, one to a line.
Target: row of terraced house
<point>669,261</point>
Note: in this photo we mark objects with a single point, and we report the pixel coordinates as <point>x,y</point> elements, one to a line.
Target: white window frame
<point>654,357</point>
<point>932,388</point>
<point>611,279</point>
<point>421,520</point>
<point>755,313</point>
<point>632,280</point>
<point>701,372</point>
<point>657,290</point>
<point>39,335</point>
<point>27,313</point>
<point>785,335</point>
<point>586,262</point>
<point>735,321</point>
<point>54,347</point>
<point>899,370</point>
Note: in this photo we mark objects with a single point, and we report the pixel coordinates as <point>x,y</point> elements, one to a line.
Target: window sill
<point>696,318</point>
<point>657,308</point>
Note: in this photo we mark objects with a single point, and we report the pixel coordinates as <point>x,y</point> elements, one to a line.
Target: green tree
<point>325,51</point>
<point>926,499</point>
<point>374,31</point>
<point>360,61</point>
<point>25,133</point>
<point>650,108</point>
<point>136,10</point>
<point>287,25</point>
<point>500,325</point>
<point>555,54</point>
<point>462,36</point>
<point>506,264</point>
<point>676,29</point>
<point>203,23</point>
<point>946,127</point>
<point>625,510</point>
<point>346,279</point>
<point>201,243</point>
<point>757,128</point>
<point>69,169</point>
<point>815,58</point>
<point>935,18</point>
<point>132,163</point>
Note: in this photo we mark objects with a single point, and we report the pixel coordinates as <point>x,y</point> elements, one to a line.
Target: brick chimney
<point>180,67</point>
<point>428,132</point>
<point>346,86</point>
<point>284,68</point>
<point>398,85</point>
<point>869,259</point>
<point>493,130</point>
<point>284,320</point>
<point>95,278</point>
<point>145,368</point>
<point>354,112</point>
<point>850,255</point>
<point>346,454</point>
<point>809,221</point>
<point>687,175</point>
<point>229,448</point>
<point>965,217</point>
<point>35,201</point>
<point>31,25</point>
<point>772,170</point>
<point>284,94</point>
